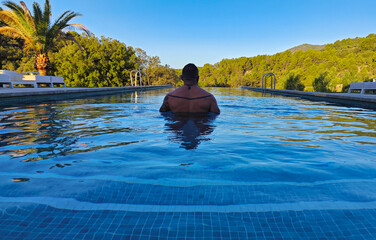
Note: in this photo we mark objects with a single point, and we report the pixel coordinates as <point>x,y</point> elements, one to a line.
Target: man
<point>189,98</point>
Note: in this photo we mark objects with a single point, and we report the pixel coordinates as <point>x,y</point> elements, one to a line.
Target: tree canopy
<point>343,62</point>
<point>98,62</point>
<point>108,62</point>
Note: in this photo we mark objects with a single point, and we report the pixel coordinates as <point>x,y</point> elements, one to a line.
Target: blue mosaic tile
<point>102,191</point>
<point>28,222</point>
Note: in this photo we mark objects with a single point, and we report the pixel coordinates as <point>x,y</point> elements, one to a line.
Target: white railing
<point>138,77</point>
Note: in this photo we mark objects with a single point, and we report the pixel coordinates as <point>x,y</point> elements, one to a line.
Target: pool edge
<point>30,92</point>
<point>347,99</point>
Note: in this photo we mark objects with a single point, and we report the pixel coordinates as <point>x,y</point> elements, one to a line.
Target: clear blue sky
<point>206,31</point>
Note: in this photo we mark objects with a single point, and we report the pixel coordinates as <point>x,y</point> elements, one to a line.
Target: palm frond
<point>81,27</point>
<point>16,33</point>
<point>29,18</point>
<point>16,17</point>
<point>68,36</point>
<point>62,23</point>
<point>12,20</point>
<point>47,12</point>
<point>8,17</point>
<point>15,8</point>
<point>1,23</point>
<point>37,13</point>
<point>62,16</point>
<point>11,32</point>
<point>25,9</point>
<point>43,26</point>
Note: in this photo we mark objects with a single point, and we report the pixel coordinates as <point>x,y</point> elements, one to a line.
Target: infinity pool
<point>113,167</point>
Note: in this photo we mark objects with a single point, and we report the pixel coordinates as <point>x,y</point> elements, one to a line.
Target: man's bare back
<point>189,98</point>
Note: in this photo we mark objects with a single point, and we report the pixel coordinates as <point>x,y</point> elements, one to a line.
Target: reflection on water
<point>124,134</point>
<point>135,96</point>
<point>190,130</point>
<point>21,179</point>
<point>42,131</point>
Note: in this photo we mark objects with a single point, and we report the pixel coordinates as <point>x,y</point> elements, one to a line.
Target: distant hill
<point>305,47</point>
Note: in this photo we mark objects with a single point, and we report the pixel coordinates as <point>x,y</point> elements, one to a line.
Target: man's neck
<point>191,83</point>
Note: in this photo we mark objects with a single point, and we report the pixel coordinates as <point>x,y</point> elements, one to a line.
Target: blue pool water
<point>113,167</point>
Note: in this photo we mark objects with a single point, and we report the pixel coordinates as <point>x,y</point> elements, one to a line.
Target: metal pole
<point>145,81</point>
<point>271,81</point>
<point>136,77</point>
<point>146,78</point>
<point>135,81</point>
<point>140,77</point>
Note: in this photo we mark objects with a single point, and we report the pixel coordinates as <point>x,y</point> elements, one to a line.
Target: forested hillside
<point>338,64</point>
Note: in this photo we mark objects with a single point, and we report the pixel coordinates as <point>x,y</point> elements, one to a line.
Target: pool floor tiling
<point>106,209</point>
<point>41,221</point>
<point>36,221</point>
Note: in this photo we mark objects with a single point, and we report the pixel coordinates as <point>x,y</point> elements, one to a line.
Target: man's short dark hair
<point>190,72</point>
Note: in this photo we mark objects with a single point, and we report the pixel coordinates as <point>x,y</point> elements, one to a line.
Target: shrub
<point>293,82</point>
<point>320,84</point>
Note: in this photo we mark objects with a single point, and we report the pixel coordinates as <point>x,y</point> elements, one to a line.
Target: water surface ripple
<point>124,142</point>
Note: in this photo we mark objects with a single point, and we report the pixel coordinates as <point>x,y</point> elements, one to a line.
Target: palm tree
<point>36,30</point>
<point>1,23</point>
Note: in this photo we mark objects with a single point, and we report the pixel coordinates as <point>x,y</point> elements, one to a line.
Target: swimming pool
<point>113,167</point>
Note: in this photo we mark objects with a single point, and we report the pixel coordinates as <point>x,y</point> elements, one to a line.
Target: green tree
<point>37,31</point>
<point>161,75</point>
<point>142,59</point>
<point>11,53</point>
<point>293,82</point>
<point>357,55</point>
<point>321,83</point>
<point>348,78</point>
<point>101,62</point>
<point>107,62</point>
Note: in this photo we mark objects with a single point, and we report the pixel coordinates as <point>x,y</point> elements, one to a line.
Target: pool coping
<point>352,99</point>
<point>29,92</point>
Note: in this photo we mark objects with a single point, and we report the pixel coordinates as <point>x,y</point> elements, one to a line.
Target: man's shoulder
<point>204,92</point>
<point>175,91</point>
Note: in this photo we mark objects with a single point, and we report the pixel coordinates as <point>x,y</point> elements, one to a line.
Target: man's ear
<point>181,77</point>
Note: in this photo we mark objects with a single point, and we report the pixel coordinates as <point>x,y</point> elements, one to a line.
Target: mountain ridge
<point>305,46</point>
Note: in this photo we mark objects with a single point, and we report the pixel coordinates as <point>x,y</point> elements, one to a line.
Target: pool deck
<point>27,92</point>
<point>352,99</point>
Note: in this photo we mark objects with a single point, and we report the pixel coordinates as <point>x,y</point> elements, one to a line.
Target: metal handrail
<point>272,77</point>
<point>138,75</point>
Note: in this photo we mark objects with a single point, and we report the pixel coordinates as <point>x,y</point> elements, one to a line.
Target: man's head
<point>190,73</point>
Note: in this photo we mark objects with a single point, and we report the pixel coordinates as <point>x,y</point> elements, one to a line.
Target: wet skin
<point>189,99</point>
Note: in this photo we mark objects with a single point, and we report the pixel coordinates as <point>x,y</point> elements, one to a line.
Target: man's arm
<point>165,107</point>
<point>214,106</point>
